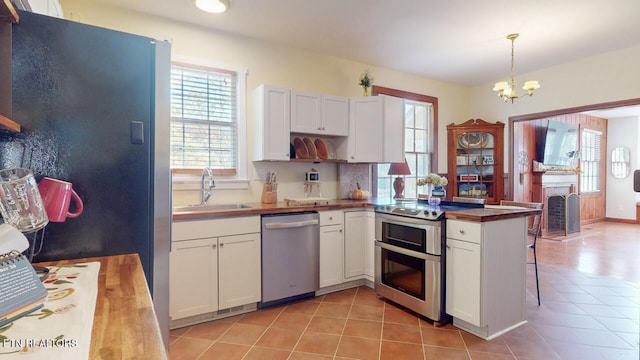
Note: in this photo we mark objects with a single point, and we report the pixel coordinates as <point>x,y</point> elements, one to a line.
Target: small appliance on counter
<point>312,192</point>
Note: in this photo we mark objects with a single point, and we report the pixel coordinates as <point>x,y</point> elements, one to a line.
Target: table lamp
<point>398,183</point>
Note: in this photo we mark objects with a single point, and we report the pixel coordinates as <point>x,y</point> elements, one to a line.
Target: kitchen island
<point>124,324</point>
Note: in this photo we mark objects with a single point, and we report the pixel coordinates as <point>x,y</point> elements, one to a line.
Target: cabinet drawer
<point>333,217</point>
<point>464,230</point>
<point>199,229</point>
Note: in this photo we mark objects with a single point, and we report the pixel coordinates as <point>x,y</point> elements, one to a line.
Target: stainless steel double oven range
<point>409,255</point>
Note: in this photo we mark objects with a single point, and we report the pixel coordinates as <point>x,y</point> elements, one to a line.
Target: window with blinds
<point>418,143</point>
<point>204,124</point>
<point>590,160</point>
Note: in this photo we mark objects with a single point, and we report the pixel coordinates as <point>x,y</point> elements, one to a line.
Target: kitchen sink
<point>209,207</point>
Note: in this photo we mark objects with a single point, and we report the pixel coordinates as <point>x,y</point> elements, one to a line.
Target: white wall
<point>274,64</point>
<point>621,199</point>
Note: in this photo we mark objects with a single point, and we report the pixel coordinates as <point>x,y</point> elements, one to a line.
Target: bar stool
<point>534,229</point>
<point>469,200</point>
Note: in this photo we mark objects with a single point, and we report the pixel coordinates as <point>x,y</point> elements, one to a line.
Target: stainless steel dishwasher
<point>290,257</point>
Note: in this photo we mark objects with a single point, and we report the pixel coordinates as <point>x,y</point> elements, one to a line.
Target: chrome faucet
<point>206,190</point>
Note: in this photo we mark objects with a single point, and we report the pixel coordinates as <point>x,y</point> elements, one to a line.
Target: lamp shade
<point>399,169</point>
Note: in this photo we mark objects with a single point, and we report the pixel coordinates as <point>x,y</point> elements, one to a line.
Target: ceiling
<point>457,41</point>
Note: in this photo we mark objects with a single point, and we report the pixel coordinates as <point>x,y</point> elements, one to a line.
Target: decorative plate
<point>301,149</point>
<point>331,150</point>
<point>473,140</point>
<point>313,154</point>
<point>321,148</point>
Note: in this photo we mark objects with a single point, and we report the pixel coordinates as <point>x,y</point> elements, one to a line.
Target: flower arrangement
<point>366,80</point>
<point>434,179</point>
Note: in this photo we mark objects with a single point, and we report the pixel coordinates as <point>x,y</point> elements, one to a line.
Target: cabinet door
<point>463,299</point>
<point>193,278</point>
<point>366,128</point>
<point>239,270</point>
<point>272,123</point>
<point>369,245</point>
<point>335,115</point>
<point>393,129</point>
<point>354,243</point>
<point>306,112</point>
<point>331,255</point>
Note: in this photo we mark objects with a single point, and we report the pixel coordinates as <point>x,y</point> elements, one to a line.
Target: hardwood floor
<point>590,296</point>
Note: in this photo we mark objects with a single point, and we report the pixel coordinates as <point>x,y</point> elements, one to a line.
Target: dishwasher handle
<point>294,224</point>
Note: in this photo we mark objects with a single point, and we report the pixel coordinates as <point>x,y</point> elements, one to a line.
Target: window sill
<point>186,182</point>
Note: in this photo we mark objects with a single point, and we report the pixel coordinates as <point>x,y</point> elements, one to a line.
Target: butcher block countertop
<point>491,213</point>
<point>124,324</point>
<point>277,208</point>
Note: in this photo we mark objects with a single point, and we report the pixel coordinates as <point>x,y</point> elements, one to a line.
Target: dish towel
<point>61,329</point>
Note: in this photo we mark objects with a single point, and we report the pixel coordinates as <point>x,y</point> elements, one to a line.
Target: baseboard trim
<point>624,221</point>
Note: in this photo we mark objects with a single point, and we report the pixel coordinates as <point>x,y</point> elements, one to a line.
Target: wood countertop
<point>491,214</point>
<point>277,208</point>
<point>124,324</point>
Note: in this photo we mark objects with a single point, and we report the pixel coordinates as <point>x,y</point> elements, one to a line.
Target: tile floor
<point>584,315</point>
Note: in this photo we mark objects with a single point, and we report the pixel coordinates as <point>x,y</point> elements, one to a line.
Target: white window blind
<point>204,124</point>
<point>590,161</point>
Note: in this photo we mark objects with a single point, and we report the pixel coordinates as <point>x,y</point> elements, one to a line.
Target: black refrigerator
<point>94,108</point>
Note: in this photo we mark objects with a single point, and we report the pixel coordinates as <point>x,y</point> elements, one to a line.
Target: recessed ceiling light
<point>213,6</point>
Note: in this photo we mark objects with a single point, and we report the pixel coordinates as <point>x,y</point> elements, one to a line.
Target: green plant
<point>366,80</point>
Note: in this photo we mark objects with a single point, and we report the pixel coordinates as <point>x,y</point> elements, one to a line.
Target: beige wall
<point>274,64</point>
<point>608,77</point>
<point>604,78</point>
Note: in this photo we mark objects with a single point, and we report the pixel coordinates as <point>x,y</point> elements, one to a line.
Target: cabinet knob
<point>330,217</point>
<point>340,230</point>
<point>221,244</point>
<point>461,231</point>
<point>214,246</point>
<point>352,157</point>
<point>448,247</point>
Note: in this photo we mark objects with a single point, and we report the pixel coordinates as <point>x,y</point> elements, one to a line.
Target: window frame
<point>585,172</point>
<point>189,179</point>
<point>432,146</point>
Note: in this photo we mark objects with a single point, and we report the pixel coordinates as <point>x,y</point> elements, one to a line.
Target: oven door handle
<point>409,224</point>
<point>411,253</point>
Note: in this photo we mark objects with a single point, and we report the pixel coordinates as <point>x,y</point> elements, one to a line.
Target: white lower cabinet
<point>485,275</point>
<point>193,278</point>
<point>463,280</point>
<point>358,244</point>
<point>331,248</point>
<point>238,270</point>
<point>214,265</point>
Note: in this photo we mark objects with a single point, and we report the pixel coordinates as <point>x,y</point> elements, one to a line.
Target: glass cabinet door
<point>475,155</point>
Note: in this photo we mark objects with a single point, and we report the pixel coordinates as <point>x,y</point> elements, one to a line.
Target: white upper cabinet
<point>272,122</point>
<point>320,114</point>
<point>376,129</point>
<point>335,115</point>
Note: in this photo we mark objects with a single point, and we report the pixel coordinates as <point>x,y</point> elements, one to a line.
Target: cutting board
<point>307,201</point>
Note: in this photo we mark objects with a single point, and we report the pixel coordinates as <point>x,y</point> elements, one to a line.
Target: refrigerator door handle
<point>137,132</point>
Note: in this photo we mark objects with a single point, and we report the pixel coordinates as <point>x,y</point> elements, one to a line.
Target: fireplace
<point>557,191</point>
<point>563,214</point>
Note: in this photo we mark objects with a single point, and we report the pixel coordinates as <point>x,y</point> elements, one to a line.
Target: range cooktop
<point>421,209</point>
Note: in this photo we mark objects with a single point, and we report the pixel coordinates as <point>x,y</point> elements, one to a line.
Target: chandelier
<point>506,89</point>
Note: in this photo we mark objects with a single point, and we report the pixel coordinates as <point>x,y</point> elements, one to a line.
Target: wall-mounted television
<point>560,144</point>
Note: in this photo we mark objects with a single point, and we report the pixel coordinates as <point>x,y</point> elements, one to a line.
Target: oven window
<point>404,273</point>
<point>407,237</point>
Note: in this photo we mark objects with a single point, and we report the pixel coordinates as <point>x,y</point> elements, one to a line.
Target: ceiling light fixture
<point>213,6</point>
<point>506,89</point>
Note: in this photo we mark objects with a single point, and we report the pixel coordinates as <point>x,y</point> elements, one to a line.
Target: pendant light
<point>507,89</point>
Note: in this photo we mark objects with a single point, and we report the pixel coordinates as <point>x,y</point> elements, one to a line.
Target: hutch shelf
<point>476,160</point>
